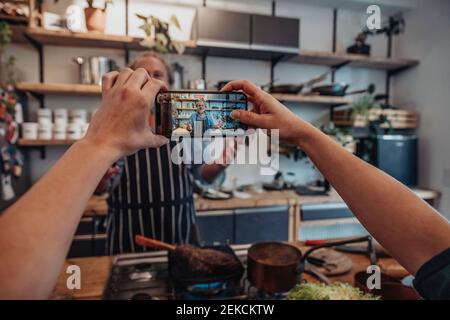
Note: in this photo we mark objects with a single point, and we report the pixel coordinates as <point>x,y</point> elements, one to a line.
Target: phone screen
<point>198,112</point>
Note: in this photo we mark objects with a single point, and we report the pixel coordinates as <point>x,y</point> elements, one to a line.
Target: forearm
<point>392,213</point>
<point>38,229</point>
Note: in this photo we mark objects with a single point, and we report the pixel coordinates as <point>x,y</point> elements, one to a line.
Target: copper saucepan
<point>272,266</point>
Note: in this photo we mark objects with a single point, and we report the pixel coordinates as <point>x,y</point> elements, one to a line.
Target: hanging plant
<point>7,63</point>
<point>157,36</point>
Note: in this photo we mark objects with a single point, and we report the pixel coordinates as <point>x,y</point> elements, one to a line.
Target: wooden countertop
<point>95,271</point>
<point>97,205</point>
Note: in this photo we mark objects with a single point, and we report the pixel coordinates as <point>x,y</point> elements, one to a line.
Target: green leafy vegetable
<point>321,291</point>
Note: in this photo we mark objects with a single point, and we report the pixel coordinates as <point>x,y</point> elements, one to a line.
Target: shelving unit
<point>39,37</point>
<point>39,143</point>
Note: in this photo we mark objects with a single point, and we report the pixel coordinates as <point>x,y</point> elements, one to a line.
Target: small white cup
<point>44,115</point>
<point>59,131</point>
<point>30,130</point>
<point>45,131</point>
<point>78,116</point>
<point>74,131</point>
<point>61,116</point>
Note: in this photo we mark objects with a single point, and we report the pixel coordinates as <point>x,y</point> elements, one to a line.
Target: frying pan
<point>339,90</point>
<point>182,275</point>
<point>297,88</point>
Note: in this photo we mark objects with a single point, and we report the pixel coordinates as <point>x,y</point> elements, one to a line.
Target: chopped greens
<point>321,291</point>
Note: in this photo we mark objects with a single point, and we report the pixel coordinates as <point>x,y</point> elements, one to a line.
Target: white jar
<point>45,131</point>
<point>44,115</point>
<point>61,116</point>
<point>59,131</point>
<point>78,116</point>
<point>73,131</point>
<point>84,129</point>
<point>30,130</point>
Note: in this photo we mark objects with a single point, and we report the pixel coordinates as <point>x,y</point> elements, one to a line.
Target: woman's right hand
<point>268,113</point>
<point>121,125</point>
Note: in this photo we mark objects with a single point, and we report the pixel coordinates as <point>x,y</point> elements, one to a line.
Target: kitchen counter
<point>95,271</point>
<point>97,205</point>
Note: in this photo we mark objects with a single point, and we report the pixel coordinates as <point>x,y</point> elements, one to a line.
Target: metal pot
<point>93,68</point>
<point>272,266</point>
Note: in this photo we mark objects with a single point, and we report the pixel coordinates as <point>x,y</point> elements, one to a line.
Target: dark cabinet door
<point>273,32</point>
<point>215,226</point>
<point>262,224</point>
<point>87,246</point>
<point>219,26</point>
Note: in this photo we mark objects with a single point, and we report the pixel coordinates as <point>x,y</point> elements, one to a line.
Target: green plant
<point>5,35</point>
<point>363,105</point>
<point>7,63</point>
<point>157,34</point>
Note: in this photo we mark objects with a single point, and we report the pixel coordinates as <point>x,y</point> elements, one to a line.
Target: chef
<point>149,194</point>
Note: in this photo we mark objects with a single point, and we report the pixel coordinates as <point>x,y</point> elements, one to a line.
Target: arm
<point>405,225</point>
<point>36,232</point>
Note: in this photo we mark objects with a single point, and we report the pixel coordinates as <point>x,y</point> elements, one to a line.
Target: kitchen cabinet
<point>88,246</point>
<point>319,211</point>
<point>222,28</point>
<point>216,226</point>
<point>275,33</point>
<point>90,238</point>
<point>244,225</point>
<point>242,35</point>
<point>262,224</point>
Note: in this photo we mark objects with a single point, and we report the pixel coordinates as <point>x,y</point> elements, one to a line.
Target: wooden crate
<point>399,119</point>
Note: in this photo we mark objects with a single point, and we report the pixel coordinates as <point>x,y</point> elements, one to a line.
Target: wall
<point>426,89</point>
<point>315,34</point>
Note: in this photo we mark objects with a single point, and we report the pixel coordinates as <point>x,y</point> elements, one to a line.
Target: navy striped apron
<point>154,198</point>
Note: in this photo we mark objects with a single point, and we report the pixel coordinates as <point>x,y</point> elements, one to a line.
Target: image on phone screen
<point>198,112</point>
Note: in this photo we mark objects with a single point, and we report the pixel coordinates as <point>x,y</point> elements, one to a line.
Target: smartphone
<point>197,113</point>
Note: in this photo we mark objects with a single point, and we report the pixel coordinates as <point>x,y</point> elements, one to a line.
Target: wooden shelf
<point>14,19</point>
<point>314,99</point>
<point>74,89</point>
<point>98,40</point>
<point>39,143</point>
<point>59,88</point>
<point>354,60</point>
<point>66,38</point>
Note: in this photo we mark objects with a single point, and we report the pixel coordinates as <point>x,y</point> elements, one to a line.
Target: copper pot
<point>95,19</point>
<point>272,266</point>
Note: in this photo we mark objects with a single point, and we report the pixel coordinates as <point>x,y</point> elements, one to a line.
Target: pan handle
<point>151,243</point>
<point>302,264</point>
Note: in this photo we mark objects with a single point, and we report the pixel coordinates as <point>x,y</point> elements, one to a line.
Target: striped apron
<point>154,198</point>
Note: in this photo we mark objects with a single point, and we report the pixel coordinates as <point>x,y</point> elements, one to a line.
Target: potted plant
<point>157,35</point>
<point>96,17</point>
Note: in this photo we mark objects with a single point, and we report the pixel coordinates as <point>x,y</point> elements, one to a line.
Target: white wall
<point>315,34</point>
<point>426,89</point>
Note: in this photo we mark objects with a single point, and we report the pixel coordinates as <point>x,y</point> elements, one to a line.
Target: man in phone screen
<point>201,116</point>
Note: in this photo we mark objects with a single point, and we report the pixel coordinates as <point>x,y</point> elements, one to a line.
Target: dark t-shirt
<point>433,278</point>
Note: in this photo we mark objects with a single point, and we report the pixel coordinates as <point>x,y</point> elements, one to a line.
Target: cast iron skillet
<point>182,275</point>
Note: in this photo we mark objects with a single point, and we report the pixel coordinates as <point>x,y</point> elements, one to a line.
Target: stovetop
<point>145,276</point>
